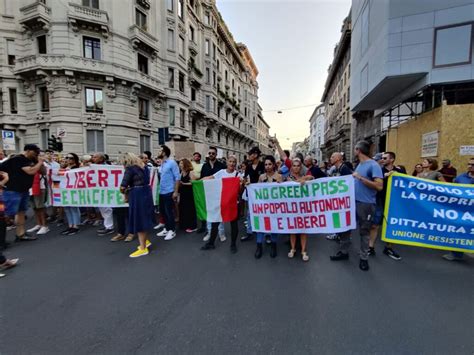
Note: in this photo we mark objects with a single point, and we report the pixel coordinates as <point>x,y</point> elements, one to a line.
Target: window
<point>140,19</point>
<point>171,78</point>
<point>43,99</point>
<point>95,141</point>
<point>207,18</point>
<point>453,45</point>
<point>364,29</point>
<point>226,75</point>
<point>193,94</point>
<point>214,105</point>
<point>13,101</point>
<point>208,133</point>
<point>181,9</point>
<point>214,78</point>
<point>191,33</point>
<point>170,5</point>
<point>94,101</point>
<point>91,48</point>
<point>171,40</point>
<point>214,51</point>
<point>208,76</point>
<point>41,42</point>
<point>11,51</point>
<point>182,116</point>
<point>208,103</point>
<point>364,81</point>
<point>181,82</point>
<point>181,46</point>
<point>193,126</point>
<point>142,64</point>
<point>171,113</point>
<point>44,135</point>
<point>143,109</point>
<point>207,48</point>
<point>91,3</point>
<point>348,93</point>
<point>145,143</point>
<point>219,137</point>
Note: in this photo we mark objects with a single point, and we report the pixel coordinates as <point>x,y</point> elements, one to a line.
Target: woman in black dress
<point>187,209</point>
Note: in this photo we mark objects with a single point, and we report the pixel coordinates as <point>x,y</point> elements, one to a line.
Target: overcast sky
<point>292,43</point>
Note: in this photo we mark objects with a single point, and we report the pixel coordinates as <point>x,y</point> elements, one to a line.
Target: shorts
<point>38,201</point>
<point>377,219</point>
<point>15,202</point>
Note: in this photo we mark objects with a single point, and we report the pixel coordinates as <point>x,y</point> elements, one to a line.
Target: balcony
<point>143,40</point>
<point>193,48</point>
<point>196,108</point>
<point>87,17</point>
<point>35,17</point>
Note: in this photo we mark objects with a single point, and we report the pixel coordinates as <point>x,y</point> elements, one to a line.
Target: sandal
<point>305,256</point>
<point>10,263</point>
<point>292,252</point>
<point>117,238</point>
<point>130,237</point>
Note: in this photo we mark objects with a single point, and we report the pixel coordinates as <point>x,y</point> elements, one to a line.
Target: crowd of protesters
<point>23,183</point>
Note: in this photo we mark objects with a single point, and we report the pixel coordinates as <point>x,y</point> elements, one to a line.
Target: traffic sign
<point>8,140</point>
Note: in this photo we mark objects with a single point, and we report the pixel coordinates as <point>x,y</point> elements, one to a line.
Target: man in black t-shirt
<point>254,169</point>
<point>21,170</point>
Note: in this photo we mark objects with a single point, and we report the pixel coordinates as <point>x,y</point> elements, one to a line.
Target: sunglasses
<point>212,153</point>
<point>69,157</point>
<point>296,166</point>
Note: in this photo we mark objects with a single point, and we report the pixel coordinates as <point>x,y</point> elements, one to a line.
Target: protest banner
<point>93,186</point>
<point>429,214</point>
<point>319,206</point>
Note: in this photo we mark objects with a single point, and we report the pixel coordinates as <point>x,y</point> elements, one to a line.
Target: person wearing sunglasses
<point>73,214</point>
<point>418,170</point>
<point>297,175</point>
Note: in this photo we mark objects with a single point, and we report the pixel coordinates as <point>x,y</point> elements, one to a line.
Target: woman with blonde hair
<point>136,186</point>
<point>187,209</point>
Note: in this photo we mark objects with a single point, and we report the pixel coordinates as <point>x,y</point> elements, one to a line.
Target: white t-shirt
<point>223,174</point>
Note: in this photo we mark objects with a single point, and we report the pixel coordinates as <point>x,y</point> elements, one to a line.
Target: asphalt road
<point>82,294</point>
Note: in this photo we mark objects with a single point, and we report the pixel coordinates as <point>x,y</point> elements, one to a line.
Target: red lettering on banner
<point>306,222</point>
<point>102,178</point>
<point>80,182</point>
<point>68,182</point>
<point>279,223</point>
<point>90,182</point>
<point>116,174</point>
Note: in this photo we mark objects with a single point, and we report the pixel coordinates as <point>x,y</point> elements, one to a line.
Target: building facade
<point>317,124</point>
<point>337,136</point>
<point>111,73</point>
<point>410,61</point>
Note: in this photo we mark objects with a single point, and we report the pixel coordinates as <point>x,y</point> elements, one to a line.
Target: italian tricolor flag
<point>216,200</point>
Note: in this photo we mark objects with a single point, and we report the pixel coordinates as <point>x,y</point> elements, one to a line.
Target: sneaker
<point>73,231</point>
<point>206,237</point>
<point>208,246</point>
<point>162,233</point>
<point>451,257</point>
<point>34,229</point>
<point>170,235</point>
<point>139,252</point>
<point>105,231</point>
<point>371,251</point>
<point>339,256</point>
<point>148,244</point>
<point>97,223</point>
<point>25,238</point>
<point>331,236</point>
<point>189,230</point>
<point>364,265</point>
<point>117,238</point>
<point>66,231</point>
<point>222,237</point>
<point>391,253</point>
<point>11,227</point>
<point>43,230</point>
<point>159,226</point>
<point>246,237</point>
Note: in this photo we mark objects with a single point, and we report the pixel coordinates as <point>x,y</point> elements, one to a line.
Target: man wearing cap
<point>255,168</point>
<point>449,172</point>
<point>21,170</point>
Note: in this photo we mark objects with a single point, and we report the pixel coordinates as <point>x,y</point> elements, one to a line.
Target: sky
<point>292,43</point>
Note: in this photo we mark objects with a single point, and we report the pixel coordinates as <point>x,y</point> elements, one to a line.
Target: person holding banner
<point>73,214</point>
<point>368,180</point>
<point>297,175</point>
<point>136,185</point>
<point>106,212</point>
<point>270,176</point>
<point>231,171</point>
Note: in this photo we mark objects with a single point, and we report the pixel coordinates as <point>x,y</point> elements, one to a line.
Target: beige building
<point>338,120</point>
<point>111,73</point>
<point>263,135</point>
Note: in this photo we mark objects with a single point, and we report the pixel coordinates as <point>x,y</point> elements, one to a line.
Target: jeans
<point>73,215</point>
<point>221,227</point>
<point>15,202</point>
<point>3,232</point>
<point>261,237</point>
<point>364,213</point>
<point>167,211</point>
<point>249,224</point>
<point>234,231</point>
<point>107,215</point>
<point>121,219</point>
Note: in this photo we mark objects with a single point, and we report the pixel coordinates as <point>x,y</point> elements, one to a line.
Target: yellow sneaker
<point>139,252</point>
<point>148,244</point>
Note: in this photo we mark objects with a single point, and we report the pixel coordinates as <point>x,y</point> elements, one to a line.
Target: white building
<point>112,72</point>
<point>316,138</point>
